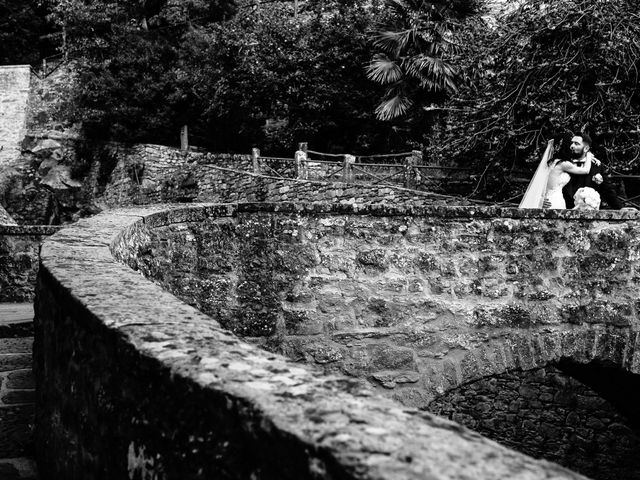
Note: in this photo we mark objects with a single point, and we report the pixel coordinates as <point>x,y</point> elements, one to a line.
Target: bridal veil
<point>534,196</point>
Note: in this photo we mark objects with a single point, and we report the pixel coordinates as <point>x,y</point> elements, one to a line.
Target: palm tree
<point>415,52</point>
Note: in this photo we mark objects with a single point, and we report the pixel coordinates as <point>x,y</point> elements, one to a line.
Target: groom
<point>596,179</point>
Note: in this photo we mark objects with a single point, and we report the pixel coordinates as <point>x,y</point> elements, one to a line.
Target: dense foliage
<point>128,57</point>
<point>270,79</point>
<point>23,32</point>
<point>255,74</point>
<point>417,44</point>
<point>548,70</point>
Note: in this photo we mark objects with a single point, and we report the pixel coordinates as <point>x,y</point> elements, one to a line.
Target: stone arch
<point>566,395</point>
<point>527,350</point>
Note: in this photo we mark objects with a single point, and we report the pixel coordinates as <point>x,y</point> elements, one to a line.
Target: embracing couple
<point>577,183</point>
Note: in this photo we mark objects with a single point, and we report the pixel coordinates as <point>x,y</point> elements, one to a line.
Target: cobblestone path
<point>16,392</point>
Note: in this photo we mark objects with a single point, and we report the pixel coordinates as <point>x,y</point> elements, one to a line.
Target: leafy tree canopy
<point>251,74</point>
<point>417,44</point>
<point>547,70</point>
<point>23,32</point>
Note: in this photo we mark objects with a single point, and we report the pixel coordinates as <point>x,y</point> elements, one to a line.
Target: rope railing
<point>337,155</point>
<point>280,159</point>
<point>386,155</point>
<point>386,165</point>
<point>436,167</point>
<point>359,158</point>
<point>345,168</point>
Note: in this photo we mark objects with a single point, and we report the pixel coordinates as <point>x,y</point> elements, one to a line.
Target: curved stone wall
<point>416,300</point>
<point>133,383</point>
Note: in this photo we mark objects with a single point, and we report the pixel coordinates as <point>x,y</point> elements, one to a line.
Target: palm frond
<point>393,107</point>
<point>399,6</point>
<point>383,70</point>
<point>393,42</point>
<point>433,72</point>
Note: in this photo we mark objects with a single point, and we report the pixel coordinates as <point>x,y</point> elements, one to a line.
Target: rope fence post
<point>255,154</point>
<point>184,138</point>
<point>412,175</point>
<point>347,172</point>
<point>302,170</point>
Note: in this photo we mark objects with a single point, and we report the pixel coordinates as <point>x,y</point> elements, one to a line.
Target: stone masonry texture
<point>14,96</point>
<point>16,404</point>
<point>19,249</point>
<point>545,413</point>
<point>414,300</point>
<point>168,393</point>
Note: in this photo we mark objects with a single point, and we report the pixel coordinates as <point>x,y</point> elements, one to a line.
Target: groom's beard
<point>575,155</point>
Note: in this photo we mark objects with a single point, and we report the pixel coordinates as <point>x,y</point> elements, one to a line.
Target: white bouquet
<point>586,198</point>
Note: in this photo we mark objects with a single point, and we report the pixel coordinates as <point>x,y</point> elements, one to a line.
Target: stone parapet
<point>416,299</point>
<point>133,383</point>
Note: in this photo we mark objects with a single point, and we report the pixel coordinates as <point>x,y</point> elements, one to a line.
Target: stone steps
<point>12,313</point>
<point>16,392</point>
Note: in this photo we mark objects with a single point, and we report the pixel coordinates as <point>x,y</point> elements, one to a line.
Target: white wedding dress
<point>555,184</point>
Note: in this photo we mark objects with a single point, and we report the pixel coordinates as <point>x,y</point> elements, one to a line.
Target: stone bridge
<point>475,313</point>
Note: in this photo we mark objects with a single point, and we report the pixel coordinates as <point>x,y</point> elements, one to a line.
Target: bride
<point>550,177</point>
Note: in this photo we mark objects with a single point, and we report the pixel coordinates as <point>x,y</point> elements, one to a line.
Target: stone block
<point>390,379</point>
<point>512,315</point>
<point>15,397</point>
<point>411,397</point>
<point>357,361</point>
<point>323,352</point>
<point>17,361</point>
<point>491,263</point>
<point>427,262</point>
<point>21,379</point>
<point>302,322</point>
<point>374,259</point>
<point>612,238</point>
<point>390,357</point>
<point>16,345</point>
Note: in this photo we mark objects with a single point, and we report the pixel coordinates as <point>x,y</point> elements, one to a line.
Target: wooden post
<point>64,42</point>
<point>347,171</point>
<point>295,8</point>
<point>184,138</point>
<point>255,154</point>
<point>302,170</point>
<point>412,175</point>
<point>301,165</point>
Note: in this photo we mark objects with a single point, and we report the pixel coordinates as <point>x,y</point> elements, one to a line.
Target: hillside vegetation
<point>360,76</point>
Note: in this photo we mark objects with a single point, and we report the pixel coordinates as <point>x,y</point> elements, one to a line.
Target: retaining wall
<point>153,173</point>
<point>133,383</point>
<point>19,249</point>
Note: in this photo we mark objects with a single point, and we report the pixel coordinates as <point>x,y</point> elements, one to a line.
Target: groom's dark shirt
<point>605,189</point>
